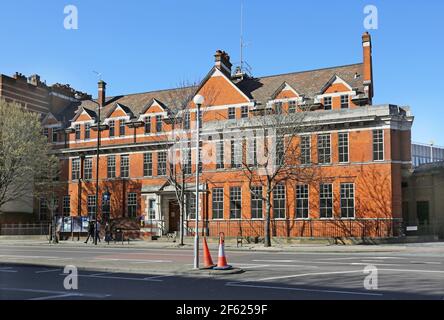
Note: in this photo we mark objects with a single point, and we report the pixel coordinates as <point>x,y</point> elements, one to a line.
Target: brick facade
<point>340,99</point>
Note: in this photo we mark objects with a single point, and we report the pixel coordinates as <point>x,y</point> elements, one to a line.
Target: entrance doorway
<point>422,212</point>
<point>174,216</point>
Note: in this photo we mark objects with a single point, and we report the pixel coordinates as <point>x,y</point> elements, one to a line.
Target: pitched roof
<point>307,83</point>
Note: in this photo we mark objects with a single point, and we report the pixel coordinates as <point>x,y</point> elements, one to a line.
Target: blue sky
<point>147,45</point>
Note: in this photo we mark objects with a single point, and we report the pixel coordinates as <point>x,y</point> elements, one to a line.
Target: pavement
<point>146,270</point>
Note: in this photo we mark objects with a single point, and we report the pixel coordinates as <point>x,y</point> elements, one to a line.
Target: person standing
<point>90,232</point>
<point>98,231</point>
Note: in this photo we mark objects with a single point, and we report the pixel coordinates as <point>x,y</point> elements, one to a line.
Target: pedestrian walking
<point>107,232</point>
<point>58,232</point>
<point>98,231</point>
<point>90,232</point>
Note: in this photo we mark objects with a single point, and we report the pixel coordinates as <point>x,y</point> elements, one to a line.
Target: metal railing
<point>310,228</point>
<point>24,229</point>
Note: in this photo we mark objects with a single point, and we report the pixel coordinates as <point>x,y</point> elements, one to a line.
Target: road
<point>36,272</point>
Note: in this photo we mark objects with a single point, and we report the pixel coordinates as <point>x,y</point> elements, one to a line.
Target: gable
<point>82,116</point>
<point>50,120</point>
<point>118,113</point>
<point>153,107</point>
<point>336,84</point>
<point>218,90</point>
<point>285,91</point>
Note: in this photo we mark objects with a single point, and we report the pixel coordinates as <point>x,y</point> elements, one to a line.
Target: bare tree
<point>179,172</point>
<point>274,154</point>
<point>48,187</point>
<point>24,152</point>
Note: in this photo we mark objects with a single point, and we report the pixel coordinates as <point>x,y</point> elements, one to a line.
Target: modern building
<point>423,201</point>
<point>34,95</point>
<point>360,152</point>
<point>426,153</point>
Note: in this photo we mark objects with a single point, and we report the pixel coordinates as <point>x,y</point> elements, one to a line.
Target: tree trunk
<point>181,231</point>
<point>267,242</point>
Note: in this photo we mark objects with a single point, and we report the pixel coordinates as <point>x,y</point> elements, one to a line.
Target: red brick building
<point>48,100</point>
<point>361,151</point>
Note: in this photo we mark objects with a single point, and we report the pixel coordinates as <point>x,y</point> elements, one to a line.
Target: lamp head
<point>198,100</point>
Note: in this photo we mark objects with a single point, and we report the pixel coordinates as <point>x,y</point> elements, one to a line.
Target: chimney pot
<point>102,93</point>
<point>222,62</point>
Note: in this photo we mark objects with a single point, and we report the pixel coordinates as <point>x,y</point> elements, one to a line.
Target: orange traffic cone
<point>222,259</point>
<point>208,262</point>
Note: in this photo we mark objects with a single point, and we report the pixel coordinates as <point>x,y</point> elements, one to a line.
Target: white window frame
<point>308,202</point>
<point>339,147</point>
<point>332,202</point>
<point>354,200</point>
<point>218,200</point>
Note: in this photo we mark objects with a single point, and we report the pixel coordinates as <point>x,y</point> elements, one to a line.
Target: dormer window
<point>87,131</point>
<point>244,112</point>
<point>231,113</point>
<point>344,102</point>
<point>54,135</point>
<point>327,103</point>
<point>122,128</point>
<point>278,107</point>
<point>77,130</point>
<point>292,107</point>
<point>46,132</point>
<point>147,125</point>
<point>159,123</point>
<point>112,128</point>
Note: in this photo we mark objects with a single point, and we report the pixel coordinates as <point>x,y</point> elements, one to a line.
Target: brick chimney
<point>35,80</point>
<point>222,62</point>
<point>102,93</point>
<point>368,64</point>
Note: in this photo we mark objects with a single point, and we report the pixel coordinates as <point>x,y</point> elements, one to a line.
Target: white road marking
<point>238,284</point>
<point>47,270</point>
<point>134,260</point>
<point>29,257</point>
<point>96,251</point>
<point>309,263</point>
<point>100,274</point>
<point>118,278</point>
<point>157,277</point>
<point>425,262</point>
<point>375,264</point>
<point>253,266</point>
<point>338,272</point>
<point>412,270</point>
<point>7,270</point>
<point>278,261</point>
<point>57,293</point>
<point>55,297</point>
<point>328,259</point>
<point>304,275</point>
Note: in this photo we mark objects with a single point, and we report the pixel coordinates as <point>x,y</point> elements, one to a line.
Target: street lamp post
<point>99,106</point>
<point>198,101</point>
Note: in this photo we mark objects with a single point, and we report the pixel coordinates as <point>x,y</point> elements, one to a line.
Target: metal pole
<point>196,233</point>
<point>431,152</point>
<point>97,175</point>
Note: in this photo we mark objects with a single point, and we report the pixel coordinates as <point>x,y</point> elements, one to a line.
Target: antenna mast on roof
<point>242,37</point>
<point>243,67</point>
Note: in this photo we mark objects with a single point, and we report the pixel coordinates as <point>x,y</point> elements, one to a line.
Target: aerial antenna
<point>242,37</point>
<point>243,68</point>
<point>99,75</point>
